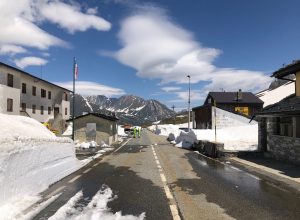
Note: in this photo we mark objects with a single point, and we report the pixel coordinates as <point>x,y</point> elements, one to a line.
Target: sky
<point>147,48</point>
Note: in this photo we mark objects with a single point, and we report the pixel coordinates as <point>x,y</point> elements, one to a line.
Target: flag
<point>75,69</point>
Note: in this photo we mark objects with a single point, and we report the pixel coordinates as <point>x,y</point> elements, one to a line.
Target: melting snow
<point>96,209</point>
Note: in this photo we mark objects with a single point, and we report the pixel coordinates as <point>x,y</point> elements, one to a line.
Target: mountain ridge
<point>130,109</point>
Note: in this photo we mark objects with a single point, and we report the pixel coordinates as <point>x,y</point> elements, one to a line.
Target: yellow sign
<point>242,110</point>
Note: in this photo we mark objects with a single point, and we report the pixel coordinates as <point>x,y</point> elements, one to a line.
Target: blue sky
<point>147,48</point>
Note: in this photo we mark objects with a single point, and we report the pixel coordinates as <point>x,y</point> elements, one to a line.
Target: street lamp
<point>189,102</point>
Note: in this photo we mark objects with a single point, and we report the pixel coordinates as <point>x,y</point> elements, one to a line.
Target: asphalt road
<point>149,175</point>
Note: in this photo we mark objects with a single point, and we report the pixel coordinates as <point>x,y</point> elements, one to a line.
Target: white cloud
<point>160,49</point>
<point>92,88</point>
<point>20,21</point>
<point>11,50</point>
<point>171,88</point>
<point>30,61</point>
<point>71,18</point>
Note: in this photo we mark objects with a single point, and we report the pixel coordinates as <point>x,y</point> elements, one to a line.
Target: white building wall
<point>9,93</point>
<point>226,119</point>
<point>57,95</point>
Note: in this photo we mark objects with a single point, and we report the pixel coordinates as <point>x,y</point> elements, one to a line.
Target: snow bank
<point>31,158</point>
<point>240,138</point>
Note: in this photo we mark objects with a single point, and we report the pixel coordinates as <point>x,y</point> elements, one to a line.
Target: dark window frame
<point>24,88</point>
<point>66,111</point>
<point>42,110</point>
<point>33,90</point>
<point>43,93</point>
<point>10,80</point>
<point>49,94</point>
<point>10,105</point>
<point>23,106</point>
<point>49,110</point>
<point>33,109</point>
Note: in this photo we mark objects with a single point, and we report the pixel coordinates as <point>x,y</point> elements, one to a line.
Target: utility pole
<point>189,103</point>
<point>173,107</point>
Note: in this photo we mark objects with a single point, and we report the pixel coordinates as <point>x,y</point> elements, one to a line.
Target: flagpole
<point>73,110</point>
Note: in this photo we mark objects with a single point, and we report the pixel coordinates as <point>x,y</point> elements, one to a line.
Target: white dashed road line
<point>88,170</point>
<point>75,178</point>
<point>55,192</point>
<point>173,206</point>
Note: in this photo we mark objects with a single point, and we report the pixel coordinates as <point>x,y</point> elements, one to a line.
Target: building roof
<point>287,106</point>
<point>287,70</point>
<point>107,117</point>
<point>28,74</point>
<point>231,98</point>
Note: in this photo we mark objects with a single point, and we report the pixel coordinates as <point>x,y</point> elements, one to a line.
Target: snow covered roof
<point>287,106</point>
<point>107,117</point>
<point>272,96</point>
<point>28,74</point>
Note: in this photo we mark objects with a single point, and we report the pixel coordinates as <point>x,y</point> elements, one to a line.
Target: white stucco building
<point>24,94</point>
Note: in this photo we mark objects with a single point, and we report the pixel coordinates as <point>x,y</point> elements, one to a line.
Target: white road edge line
<point>75,178</point>
<point>55,192</point>
<point>87,170</point>
<point>123,145</point>
<point>173,207</point>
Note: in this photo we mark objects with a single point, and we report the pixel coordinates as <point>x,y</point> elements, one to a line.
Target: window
<point>24,88</point>
<point>9,105</point>
<point>42,110</point>
<point>23,106</point>
<point>286,126</point>
<point>66,111</point>
<point>33,90</point>
<point>66,96</point>
<point>49,110</point>
<point>10,80</point>
<point>49,94</point>
<point>43,93</point>
<point>33,109</point>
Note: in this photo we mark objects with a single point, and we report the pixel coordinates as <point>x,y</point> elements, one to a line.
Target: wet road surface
<point>141,172</point>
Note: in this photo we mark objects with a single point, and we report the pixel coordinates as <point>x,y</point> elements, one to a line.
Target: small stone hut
<point>96,127</point>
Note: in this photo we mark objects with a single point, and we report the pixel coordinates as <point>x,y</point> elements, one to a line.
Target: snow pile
<point>121,132</point>
<point>86,145</point>
<point>96,208</point>
<point>68,131</point>
<point>240,138</point>
<point>273,96</point>
<point>31,158</point>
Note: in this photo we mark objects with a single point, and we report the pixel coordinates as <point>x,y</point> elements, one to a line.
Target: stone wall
<point>284,148</point>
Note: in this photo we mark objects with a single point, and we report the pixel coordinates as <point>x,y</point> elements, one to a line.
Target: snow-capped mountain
<point>130,109</point>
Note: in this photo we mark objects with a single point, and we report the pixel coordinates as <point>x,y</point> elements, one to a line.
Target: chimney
<point>239,95</point>
<point>297,84</point>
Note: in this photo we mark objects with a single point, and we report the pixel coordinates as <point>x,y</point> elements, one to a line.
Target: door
<point>56,111</point>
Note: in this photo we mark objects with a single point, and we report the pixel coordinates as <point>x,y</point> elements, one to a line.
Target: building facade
<point>96,127</point>
<point>279,123</point>
<point>24,94</point>
<point>241,103</point>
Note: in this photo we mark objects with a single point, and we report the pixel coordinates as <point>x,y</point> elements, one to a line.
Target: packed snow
<point>121,131</point>
<point>273,96</point>
<point>240,138</point>
<point>96,208</point>
<point>31,158</point>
